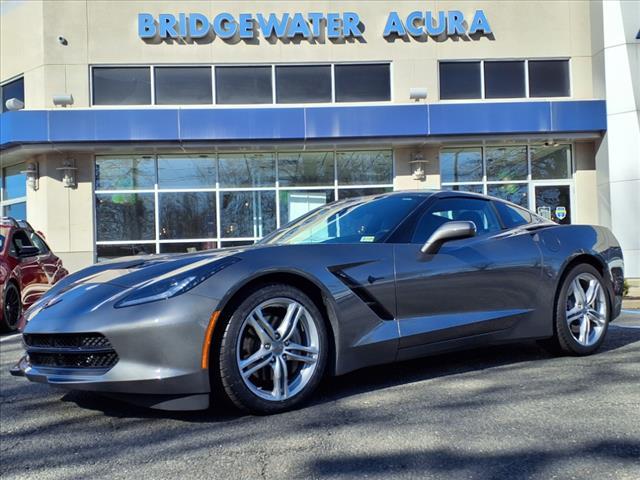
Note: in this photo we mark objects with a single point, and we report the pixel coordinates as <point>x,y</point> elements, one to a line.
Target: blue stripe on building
<point>299,123</point>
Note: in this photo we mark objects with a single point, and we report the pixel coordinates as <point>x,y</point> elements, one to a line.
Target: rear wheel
<point>273,351</point>
<point>582,312</point>
<point>12,309</point>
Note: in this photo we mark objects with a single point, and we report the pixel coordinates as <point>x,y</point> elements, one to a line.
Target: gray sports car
<point>351,284</point>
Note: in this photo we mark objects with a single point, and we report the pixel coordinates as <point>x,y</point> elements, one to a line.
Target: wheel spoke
<point>578,292</point>
<point>254,363</point>
<point>290,321</point>
<point>596,316</point>
<point>262,327</point>
<point>301,358</point>
<point>280,379</point>
<point>574,314</point>
<point>584,330</point>
<point>301,348</point>
<point>592,292</point>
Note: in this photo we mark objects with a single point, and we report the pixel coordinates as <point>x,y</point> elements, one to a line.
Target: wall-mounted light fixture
<point>68,170</point>
<point>418,165</point>
<point>418,94</point>
<point>31,173</point>
<point>14,104</point>
<point>63,100</point>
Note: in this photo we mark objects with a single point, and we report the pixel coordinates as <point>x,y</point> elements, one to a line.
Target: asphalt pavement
<point>506,412</point>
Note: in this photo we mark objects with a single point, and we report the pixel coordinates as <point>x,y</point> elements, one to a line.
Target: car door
<point>33,280</point>
<point>50,264</point>
<point>470,287</point>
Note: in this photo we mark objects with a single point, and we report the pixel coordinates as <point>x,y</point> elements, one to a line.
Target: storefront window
<point>14,192</point>
<point>506,163</point>
<point>125,216</point>
<point>306,169</point>
<point>362,167</point>
<point>550,162</point>
<point>515,173</point>
<point>461,165</point>
<point>229,199</point>
<point>186,172</point>
<point>125,173</point>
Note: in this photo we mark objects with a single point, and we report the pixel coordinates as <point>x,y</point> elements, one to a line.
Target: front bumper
<point>159,347</point>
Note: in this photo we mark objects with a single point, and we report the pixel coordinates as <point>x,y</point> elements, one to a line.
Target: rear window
<point>512,216</point>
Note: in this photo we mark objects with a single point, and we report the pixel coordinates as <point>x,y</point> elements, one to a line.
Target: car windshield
<point>362,220</point>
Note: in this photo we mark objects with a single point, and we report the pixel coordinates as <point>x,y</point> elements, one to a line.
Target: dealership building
<point>141,126</point>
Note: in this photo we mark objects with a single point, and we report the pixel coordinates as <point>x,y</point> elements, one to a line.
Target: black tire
<point>564,342</point>
<point>12,309</point>
<point>231,378</point>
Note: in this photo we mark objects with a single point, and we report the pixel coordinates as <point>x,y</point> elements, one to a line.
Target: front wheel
<point>582,312</point>
<point>273,351</point>
<point>12,309</point>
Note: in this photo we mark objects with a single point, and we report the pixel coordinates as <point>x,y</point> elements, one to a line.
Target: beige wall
<point>65,215</point>
<point>100,32</point>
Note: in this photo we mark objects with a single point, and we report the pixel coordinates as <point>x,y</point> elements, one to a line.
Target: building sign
<point>308,25</point>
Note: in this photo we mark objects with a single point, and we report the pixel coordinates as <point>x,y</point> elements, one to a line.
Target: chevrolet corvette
<point>351,284</point>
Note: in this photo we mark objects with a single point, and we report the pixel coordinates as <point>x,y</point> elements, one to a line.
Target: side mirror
<point>28,252</point>
<point>446,232</point>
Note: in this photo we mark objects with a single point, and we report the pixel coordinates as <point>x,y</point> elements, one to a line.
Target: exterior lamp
<point>418,94</point>
<point>418,164</point>
<point>63,100</point>
<point>68,170</point>
<point>14,104</point>
<point>32,175</point>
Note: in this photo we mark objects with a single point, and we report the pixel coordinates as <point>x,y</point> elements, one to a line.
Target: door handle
<point>372,279</point>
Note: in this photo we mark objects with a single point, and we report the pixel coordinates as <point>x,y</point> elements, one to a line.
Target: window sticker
<point>367,239</point>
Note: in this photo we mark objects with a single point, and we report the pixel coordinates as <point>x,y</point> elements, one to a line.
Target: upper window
<point>13,89</point>
<point>473,210</point>
<point>121,86</point>
<point>549,78</point>
<point>363,83</point>
<point>512,216</point>
<point>303,83</point>
<point>14,182</point>
<point>183,85</point>
<point>239,85</point>
<point>459,80</point>
<point>504,79</point>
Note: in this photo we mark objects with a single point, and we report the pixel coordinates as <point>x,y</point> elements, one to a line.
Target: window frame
<point>505,59</point>
<point>213,66</point>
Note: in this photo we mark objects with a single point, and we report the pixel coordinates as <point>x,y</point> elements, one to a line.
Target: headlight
<point>174,284</point>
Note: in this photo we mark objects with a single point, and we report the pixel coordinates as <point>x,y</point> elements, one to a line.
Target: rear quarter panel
<point>564,245</point>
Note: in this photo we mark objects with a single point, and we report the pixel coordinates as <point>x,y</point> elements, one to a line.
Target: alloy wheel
<point>586,309</point>
<point>277,349</point>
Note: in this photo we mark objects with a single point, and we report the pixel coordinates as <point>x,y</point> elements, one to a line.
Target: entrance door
<point>553,202</point>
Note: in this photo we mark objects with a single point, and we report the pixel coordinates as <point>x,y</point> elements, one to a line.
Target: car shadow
<point>332,389</point>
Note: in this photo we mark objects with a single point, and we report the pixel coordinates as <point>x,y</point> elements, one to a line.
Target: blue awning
<point>299,123</point>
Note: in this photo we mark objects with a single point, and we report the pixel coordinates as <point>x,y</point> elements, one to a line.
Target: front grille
<point>67,340</point>
<point>70,350</point>
<point>73,360</point>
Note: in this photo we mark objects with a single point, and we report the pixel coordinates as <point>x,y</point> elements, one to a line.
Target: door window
<point>512,216</point>
<point>480,212</point>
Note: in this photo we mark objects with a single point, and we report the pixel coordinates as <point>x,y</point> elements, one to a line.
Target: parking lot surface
<point>507,412</point>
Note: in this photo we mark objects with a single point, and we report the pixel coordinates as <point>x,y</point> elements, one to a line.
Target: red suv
<point>28,269</point>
